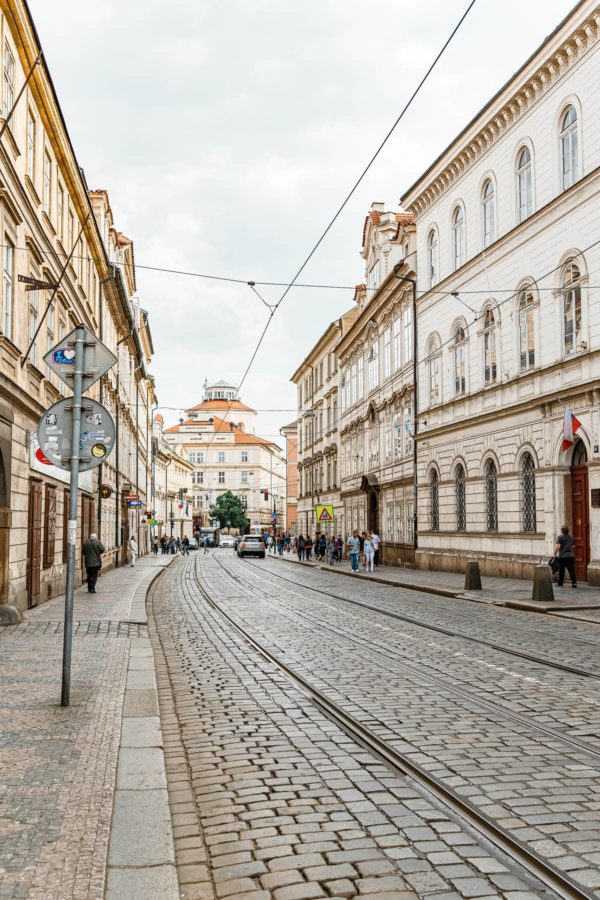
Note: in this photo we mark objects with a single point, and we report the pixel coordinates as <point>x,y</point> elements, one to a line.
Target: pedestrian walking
<point>361,538</point>
<point>293,543</point>
<point>322,547</point>
<point>270,543</point>
<point>92,557</point>
<point>133,550</point>
<point>300,545</point>
<point>369,551</point>
<point>205,544</point>
<point>185,546</point>
<point>354,549</point>
<point>287,542</point>
<point>340,547</point>
<point>376,544</point>
<point>280,544</point>
<point>566,556</point>
<point>332,550</point>
<point>308,547</point>
<point>155,546</point>
<point>163,544</point>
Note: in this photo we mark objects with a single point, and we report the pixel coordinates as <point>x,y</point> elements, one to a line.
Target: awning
<point>369,483</point>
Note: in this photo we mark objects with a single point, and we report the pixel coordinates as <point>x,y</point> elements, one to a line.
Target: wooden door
<point>49,526</point>
<point>581,520</point>
<point>34,543</point>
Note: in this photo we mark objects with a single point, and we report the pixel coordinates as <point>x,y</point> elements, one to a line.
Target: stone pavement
<point>60,767</point>
<point>582,604</point>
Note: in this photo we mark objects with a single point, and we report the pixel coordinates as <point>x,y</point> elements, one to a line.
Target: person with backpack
<point>308,546</point>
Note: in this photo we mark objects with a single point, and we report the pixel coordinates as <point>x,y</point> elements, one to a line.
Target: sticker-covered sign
<point>56,428</point>
<point>97,359</point>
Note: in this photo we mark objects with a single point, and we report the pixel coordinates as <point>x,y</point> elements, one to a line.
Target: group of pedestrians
<point>366,545</point>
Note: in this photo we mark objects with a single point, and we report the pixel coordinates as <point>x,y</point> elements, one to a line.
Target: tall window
<point>461,500</point>
<point>221,477</point>
<point>360,376</point>
<point>571,300</point>
<point>488,203</point>
<point>432,257</point>
<point>70,229</point>
<point>528,510</point>
<point>408,333</point>
<point>373,278</point>
<point>397,341</point>
<point>244,456</point>
<point>8,96</point>
<point>33,320</point>
<point>434,501</point>
<point>569,147</point>
<point>434,366</point>
<point>458,237</point>
<point>60,210</point>
<point>491,495</point>
<point>489,347</point>
<point>47,186</point>
<point>50,327</point>
<point>31,128</point>
<point>373,366</point>
<point>8,291</point>
<point>221,457</point>
<point>387,352</point>
<point>459,347</point>
<point>526,329</point>
<point>524,185</point>
<point>244,478</point>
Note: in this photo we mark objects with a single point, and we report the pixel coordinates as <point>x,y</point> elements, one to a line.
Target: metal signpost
<point>79,359</point>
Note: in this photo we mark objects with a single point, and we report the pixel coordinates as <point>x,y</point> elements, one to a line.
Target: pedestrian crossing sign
<point>325,512</point>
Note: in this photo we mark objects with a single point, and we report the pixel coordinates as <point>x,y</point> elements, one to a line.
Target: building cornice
<point>508,106</point>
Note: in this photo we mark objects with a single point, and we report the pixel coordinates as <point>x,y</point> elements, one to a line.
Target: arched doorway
<point>580,509</point>
<point>370,485</point>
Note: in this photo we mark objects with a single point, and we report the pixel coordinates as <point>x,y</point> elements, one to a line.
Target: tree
<point>228,510</point>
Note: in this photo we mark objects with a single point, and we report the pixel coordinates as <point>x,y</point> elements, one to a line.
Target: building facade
<point>171,474</point>
<point>376,389</point>
<point>50,232</point>
<point>290,434</point>
<point>218,438</point>
<point>508,251</point>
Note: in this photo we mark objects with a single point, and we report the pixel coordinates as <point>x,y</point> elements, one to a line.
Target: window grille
<point>491,495</point>
<point>434,501</point>
<point>461,500</point>
<point>528,511</point>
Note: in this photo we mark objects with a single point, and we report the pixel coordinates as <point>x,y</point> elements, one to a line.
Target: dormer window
<point>373,277</point>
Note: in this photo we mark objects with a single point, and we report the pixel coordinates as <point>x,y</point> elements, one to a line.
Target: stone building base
<point>402,555</point>
<point>489,563</point>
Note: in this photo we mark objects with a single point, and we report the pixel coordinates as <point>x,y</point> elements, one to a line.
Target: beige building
<point>47,216</point>
<point>218,437</point>
<point>290,433</point>
<point>171,503</point>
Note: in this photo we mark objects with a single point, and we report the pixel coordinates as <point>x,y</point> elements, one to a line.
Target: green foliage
<point>228,510</point>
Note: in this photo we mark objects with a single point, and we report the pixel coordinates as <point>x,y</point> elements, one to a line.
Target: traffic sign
<point>324,512</point>
<point>97,437</point>
<point>97,359</point>
<point>134,504</point>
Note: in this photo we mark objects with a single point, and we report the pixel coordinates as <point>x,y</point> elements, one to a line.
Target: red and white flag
<point>570,426</point>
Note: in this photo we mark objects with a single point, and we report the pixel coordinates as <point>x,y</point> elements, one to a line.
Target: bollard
<point>9,615</point>
<point>542,584</point>
<point>472,576</point>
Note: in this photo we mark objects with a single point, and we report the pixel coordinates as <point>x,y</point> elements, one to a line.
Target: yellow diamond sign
<point>324,512</point>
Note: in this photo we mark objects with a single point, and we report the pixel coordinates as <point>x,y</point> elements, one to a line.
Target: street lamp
<point>413,283</point>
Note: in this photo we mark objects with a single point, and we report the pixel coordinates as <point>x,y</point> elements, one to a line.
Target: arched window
<point>571,303</point>
<point>490,367</point>
<point>432,257</point>
<point>524,184</point>
<point>434,501</point>
<point>528,510</point>
<point>488,204</point>
<point>491,495</point>
<point>526,329</point>
<point>458,237</point>
<point>569,153</point>
<point>434,367</point>
<point>459,347</point>
<point>461,499</point>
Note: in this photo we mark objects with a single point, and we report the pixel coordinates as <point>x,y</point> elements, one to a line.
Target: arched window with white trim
<point>458,237</point>
<point>526,329</point>
<point>434,501</point>
<point>491,495</point>
<point>459,346</point>
<point>490,362</point>
<point>432,257</point>
<point>488,211</point>
<point>434,370</point>
<point>571,308</point>
<point>524,184</point>
<point>569,147</point>
<point>528,504</point>
<point>461,497</point>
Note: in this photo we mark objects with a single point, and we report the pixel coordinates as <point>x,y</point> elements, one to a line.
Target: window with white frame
<point>488,208</point>
<point>50,326</point>
<point>387,440</point>
<point>244,456</point>
<point>491,495</point>
<point>221,456</point>
<point>60,210</point>
<point>460,497</point>
<point>571,303</point>
<point>47,184</point>
<point>528,499</point>
<point>31,135</point>
<point>354,383</point>
<point>569,152</point>
<point>398,434</point>
<point>373,277</point>
<point>70,229</point>
<point>434,370</point>
<point>397,342</point>
<point>432,257</point>
<point>408,429</point>
<point>458,237</point>
<point>407,321</point>
<point>344,390</point>
<point>434,501</point>
<point>244,478</point>
<point>399,530</point>
<point>8,287</point>
<point>361,376</point>
<point>459,343</point>
<point>524,184</point>
<point>373,366</point>
<point>221,477</point>
<point>8,96</point>
<point>387,352</point>
<point>490,366</point>
<point>33,322</point>
<point>526,329</point>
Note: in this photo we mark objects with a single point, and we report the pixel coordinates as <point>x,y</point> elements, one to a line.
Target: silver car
<point>251,545</point>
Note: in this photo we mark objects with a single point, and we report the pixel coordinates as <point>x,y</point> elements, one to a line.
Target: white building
<point>509,318</point>
<point>218,438</point>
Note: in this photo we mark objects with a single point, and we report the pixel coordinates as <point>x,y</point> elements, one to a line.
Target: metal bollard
<point>472,576</point>
<point>542,584</point>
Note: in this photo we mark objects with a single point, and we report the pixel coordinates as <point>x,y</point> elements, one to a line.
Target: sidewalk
<point>582,604</point>
<point>84,807</point>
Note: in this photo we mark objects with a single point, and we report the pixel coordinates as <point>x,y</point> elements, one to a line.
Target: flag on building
<point>570,427</point>
<point>187,508</point>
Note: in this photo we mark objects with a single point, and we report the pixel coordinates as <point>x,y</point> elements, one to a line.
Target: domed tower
<point>220,401</point>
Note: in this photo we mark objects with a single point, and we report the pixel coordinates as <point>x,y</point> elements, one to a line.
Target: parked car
<point>227,541</point>
<point>193,543</point>
<point>251,545</point>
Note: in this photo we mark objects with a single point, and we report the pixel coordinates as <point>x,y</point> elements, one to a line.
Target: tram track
<point>441,629</point>
<point>541,868</point>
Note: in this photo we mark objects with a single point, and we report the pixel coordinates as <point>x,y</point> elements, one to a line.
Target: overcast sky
<point>227,133</point>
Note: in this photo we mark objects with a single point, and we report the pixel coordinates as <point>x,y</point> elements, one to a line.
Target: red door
<point>34,543</point>
<point>581,520</point>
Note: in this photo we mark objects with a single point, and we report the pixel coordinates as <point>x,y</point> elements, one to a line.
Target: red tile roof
<point>223,404</point>
<point>221,426</point>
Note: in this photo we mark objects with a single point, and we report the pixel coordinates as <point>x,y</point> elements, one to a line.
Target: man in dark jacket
<point>92,555</point>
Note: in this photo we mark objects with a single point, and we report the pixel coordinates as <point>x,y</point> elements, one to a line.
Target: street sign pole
<point>80,335</point>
